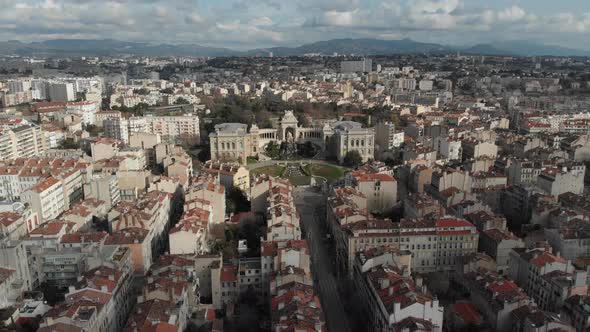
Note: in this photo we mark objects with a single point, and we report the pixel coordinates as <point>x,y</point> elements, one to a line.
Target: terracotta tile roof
<point>45,184</point>
<point>7,218</point>
<point>375,177</point>
<point>49,228</point>
<point>229,273</point>
<point>160,327</point>
<point>127,236</point>
<point>147,315</point>
<point>60,327</point>
<point>547,258</point>
<point>467,312</point>
<point>84,237</point>
<point>453,222</point>
<point>268,248</point>
<point>5,274</point>
<point>102,276</point>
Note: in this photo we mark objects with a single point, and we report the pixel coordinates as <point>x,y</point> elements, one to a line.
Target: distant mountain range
<point>109,47</point>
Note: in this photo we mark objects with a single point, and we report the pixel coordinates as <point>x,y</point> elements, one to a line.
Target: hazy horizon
<point>240,24</point>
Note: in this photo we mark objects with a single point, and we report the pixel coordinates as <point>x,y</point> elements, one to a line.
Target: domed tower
<point>289,126</point>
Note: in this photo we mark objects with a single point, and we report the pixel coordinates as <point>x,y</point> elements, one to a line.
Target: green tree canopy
<point>353,159</point>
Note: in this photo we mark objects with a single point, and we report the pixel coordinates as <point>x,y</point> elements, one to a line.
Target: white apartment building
<point>23,141</point>
<point>183,127</point>
<point>387,138</point>
<point>448,148</point>
<point>558,180</point>
<point>61,92</point>
<point>46,198</point>
<point>86,109</point>
<point>392,299</point>
<point>117,128</point>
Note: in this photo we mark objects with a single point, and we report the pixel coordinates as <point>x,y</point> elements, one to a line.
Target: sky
<point>247,24</point>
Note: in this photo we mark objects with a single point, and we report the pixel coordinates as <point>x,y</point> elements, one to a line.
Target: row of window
<point>232,146</point>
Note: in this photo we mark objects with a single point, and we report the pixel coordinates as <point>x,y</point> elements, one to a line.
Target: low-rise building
<point>230,175</point>
<point>498,243</point>
<point>390,295</point>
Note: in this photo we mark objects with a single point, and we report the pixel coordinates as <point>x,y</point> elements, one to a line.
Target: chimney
<point>390,290</point>
<point>104,289</point>
<point>71,289</point>
<point>112,277</point>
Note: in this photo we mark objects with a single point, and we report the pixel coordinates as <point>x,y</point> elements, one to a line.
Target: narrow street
<point>311,206</point>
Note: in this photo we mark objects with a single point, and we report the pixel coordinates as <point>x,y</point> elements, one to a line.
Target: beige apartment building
<point>182,127</point>
<point>21,142</point>
<point>46,198</point>
<point>229,174</point>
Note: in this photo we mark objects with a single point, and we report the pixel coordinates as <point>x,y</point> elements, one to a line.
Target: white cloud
<point>512,14</point>
<point>270,22</point>
<point>339,19</point>
<point>261,21</point>
<point>194,19</point>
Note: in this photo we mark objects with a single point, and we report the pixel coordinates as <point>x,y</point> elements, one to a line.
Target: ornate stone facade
<point>233,141</point>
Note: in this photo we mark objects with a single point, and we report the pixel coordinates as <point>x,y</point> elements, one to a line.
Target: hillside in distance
<point>356,46</point>
<point>364,46</point>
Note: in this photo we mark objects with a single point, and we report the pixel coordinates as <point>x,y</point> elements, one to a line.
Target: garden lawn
<point>273,170</point>
<point>330,172</point>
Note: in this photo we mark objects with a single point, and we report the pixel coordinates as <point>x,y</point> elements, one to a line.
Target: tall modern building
<point>365,65</point>
<point>117,128</point>
<point>61,92</point>
<point>21,142</point>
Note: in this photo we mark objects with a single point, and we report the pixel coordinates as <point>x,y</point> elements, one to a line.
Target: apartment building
<point>390,296</point>
<point>473,149</point>
<point>16,98</point>
<point>83,311</point>
<point>563,178</point>
<point>438,243</point>
<point>189,235</point>
<point>419,205</point>
<point>206,191</point>
<point>14,227</point>
<point>116,128</point>
<point>548,279</point>
<point>498,243</point>
<point>150,212</point>
<point>46,199</point>
<point>260,188</point>
<point>296,307</point>
<point>387,138</point>
<point>104,187</point>
<point>230,175</point>
<point>494,296</point>
<point>21,141</point>
<point>184,128</point>
<point>156,315</point>
<point>578,309</point>
<point>283,221</point>
<point>448,148</point>
<point>380,189</point>
<point>136,239</point>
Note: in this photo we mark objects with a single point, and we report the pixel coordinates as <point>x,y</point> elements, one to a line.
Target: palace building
<point>234,142</point>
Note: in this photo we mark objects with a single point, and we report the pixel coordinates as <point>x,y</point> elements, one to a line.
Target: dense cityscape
<point>397,187</point>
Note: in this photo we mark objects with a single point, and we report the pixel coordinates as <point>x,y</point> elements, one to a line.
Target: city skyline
<point>241,25</point>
